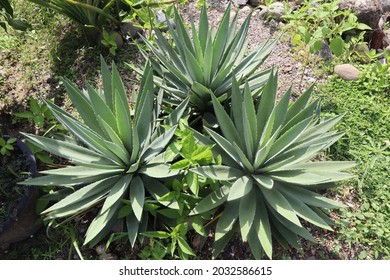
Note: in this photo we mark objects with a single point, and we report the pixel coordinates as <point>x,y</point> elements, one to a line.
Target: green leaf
<point>183,245</point>
<point>247,210</point>
<point>217,172</point>
<point>227,219</point>
<point>211,201</point>
<point>337,46</point>
<point>137,196</point>
<point>278,202</point>
<point>263,227</point>
<point>240,188</point>
<point>156,234</point>
<point>132,224</point>
<point>263,181</point>
<point>197,224</point>
<point>117,192</point>
<point>101,224</point>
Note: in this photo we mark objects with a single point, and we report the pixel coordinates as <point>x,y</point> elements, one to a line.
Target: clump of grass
<point>367,225</point>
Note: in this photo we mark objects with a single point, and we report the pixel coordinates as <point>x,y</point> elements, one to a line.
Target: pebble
<point>347,72</point>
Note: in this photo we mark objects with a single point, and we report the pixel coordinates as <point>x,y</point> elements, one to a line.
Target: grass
<point>365,226</point>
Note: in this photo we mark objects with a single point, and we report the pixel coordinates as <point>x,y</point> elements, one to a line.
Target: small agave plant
<point>268,172</point>
<point>202,62</point>
<point>117,154</point>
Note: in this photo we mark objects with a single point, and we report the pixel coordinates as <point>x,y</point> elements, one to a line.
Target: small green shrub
<point>318,21</point>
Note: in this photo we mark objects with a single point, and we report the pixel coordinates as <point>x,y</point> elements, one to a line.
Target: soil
<point>11,172</point>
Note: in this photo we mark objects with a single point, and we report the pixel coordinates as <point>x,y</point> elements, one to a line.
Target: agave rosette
<point>268,173</point>
<point>117,154</point>
<point>202,62</point>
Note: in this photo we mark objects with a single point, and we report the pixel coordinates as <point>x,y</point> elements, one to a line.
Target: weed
<point>367,142</point>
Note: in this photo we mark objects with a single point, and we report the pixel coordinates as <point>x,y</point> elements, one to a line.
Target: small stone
<point>347,72</point>
<point>276,10</point>
<point>240,2</point>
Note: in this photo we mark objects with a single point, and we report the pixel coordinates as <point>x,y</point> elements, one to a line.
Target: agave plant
<point>86,12</point>
<point>268,170</point>
<point>201,62</point>
<point>117,154</point>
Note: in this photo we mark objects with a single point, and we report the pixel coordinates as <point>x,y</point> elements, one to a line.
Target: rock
<point>256,3</point>
<point>240,2</point>
<point>161,17</point>
<point>276,10</point>
<point>130,30</point>
<point>386,38</point>
<point>325,51</point>
<point>388,49</point>
<point>367,11</point>
<point>386,6</point>
<point>347,72</point>
<point>361,50</point>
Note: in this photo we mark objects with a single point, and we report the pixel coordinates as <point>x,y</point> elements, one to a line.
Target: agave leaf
<point>285,140</point>
<point>124,121</point>
<point>306,213</point>
<point>81,171</point>
<point>225,145</point>
<point>247,210</point>
<point>158,190</point>
<point>299,230</point>
<point>255,244</point>
<point>304,114</point>
<point>59,180</point>
<point>278,202</point>
<point>226,124</point>
<point>220,39</point>
<point>227,219</point>
<point>241,187</point>
<point>169,51</point>
<point>263,227</point>
<point>203,28</point>
<point>82,105</point>
<point>263,181</point>
<point>217,172</point>
<point>84,195</point>
<point>101,224</point>
<point>137,196</point>
<point>306,178</point>
<point>158,170</point>
<point>319,129</point>
<point>101,109</point>
<point>267,101</point>
<point>157,146</point>
<point>310,197</point>
<point>211,201</point>
<point>208,56</point>
<point>132,224</point>
<point>288,235</point>
<point>281,111</point>
<point>263,152</point>
<point>298,106</point>
<point>117,192</point>
<point>193,66</point>
<point>329,166</point>
<point>71,151</point>
<point>221,243</point>
<point>107,85</point>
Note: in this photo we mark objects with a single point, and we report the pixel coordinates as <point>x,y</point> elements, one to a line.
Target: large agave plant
<point>202,62</point>
<point>268,172</point>
<point>117,154</point>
